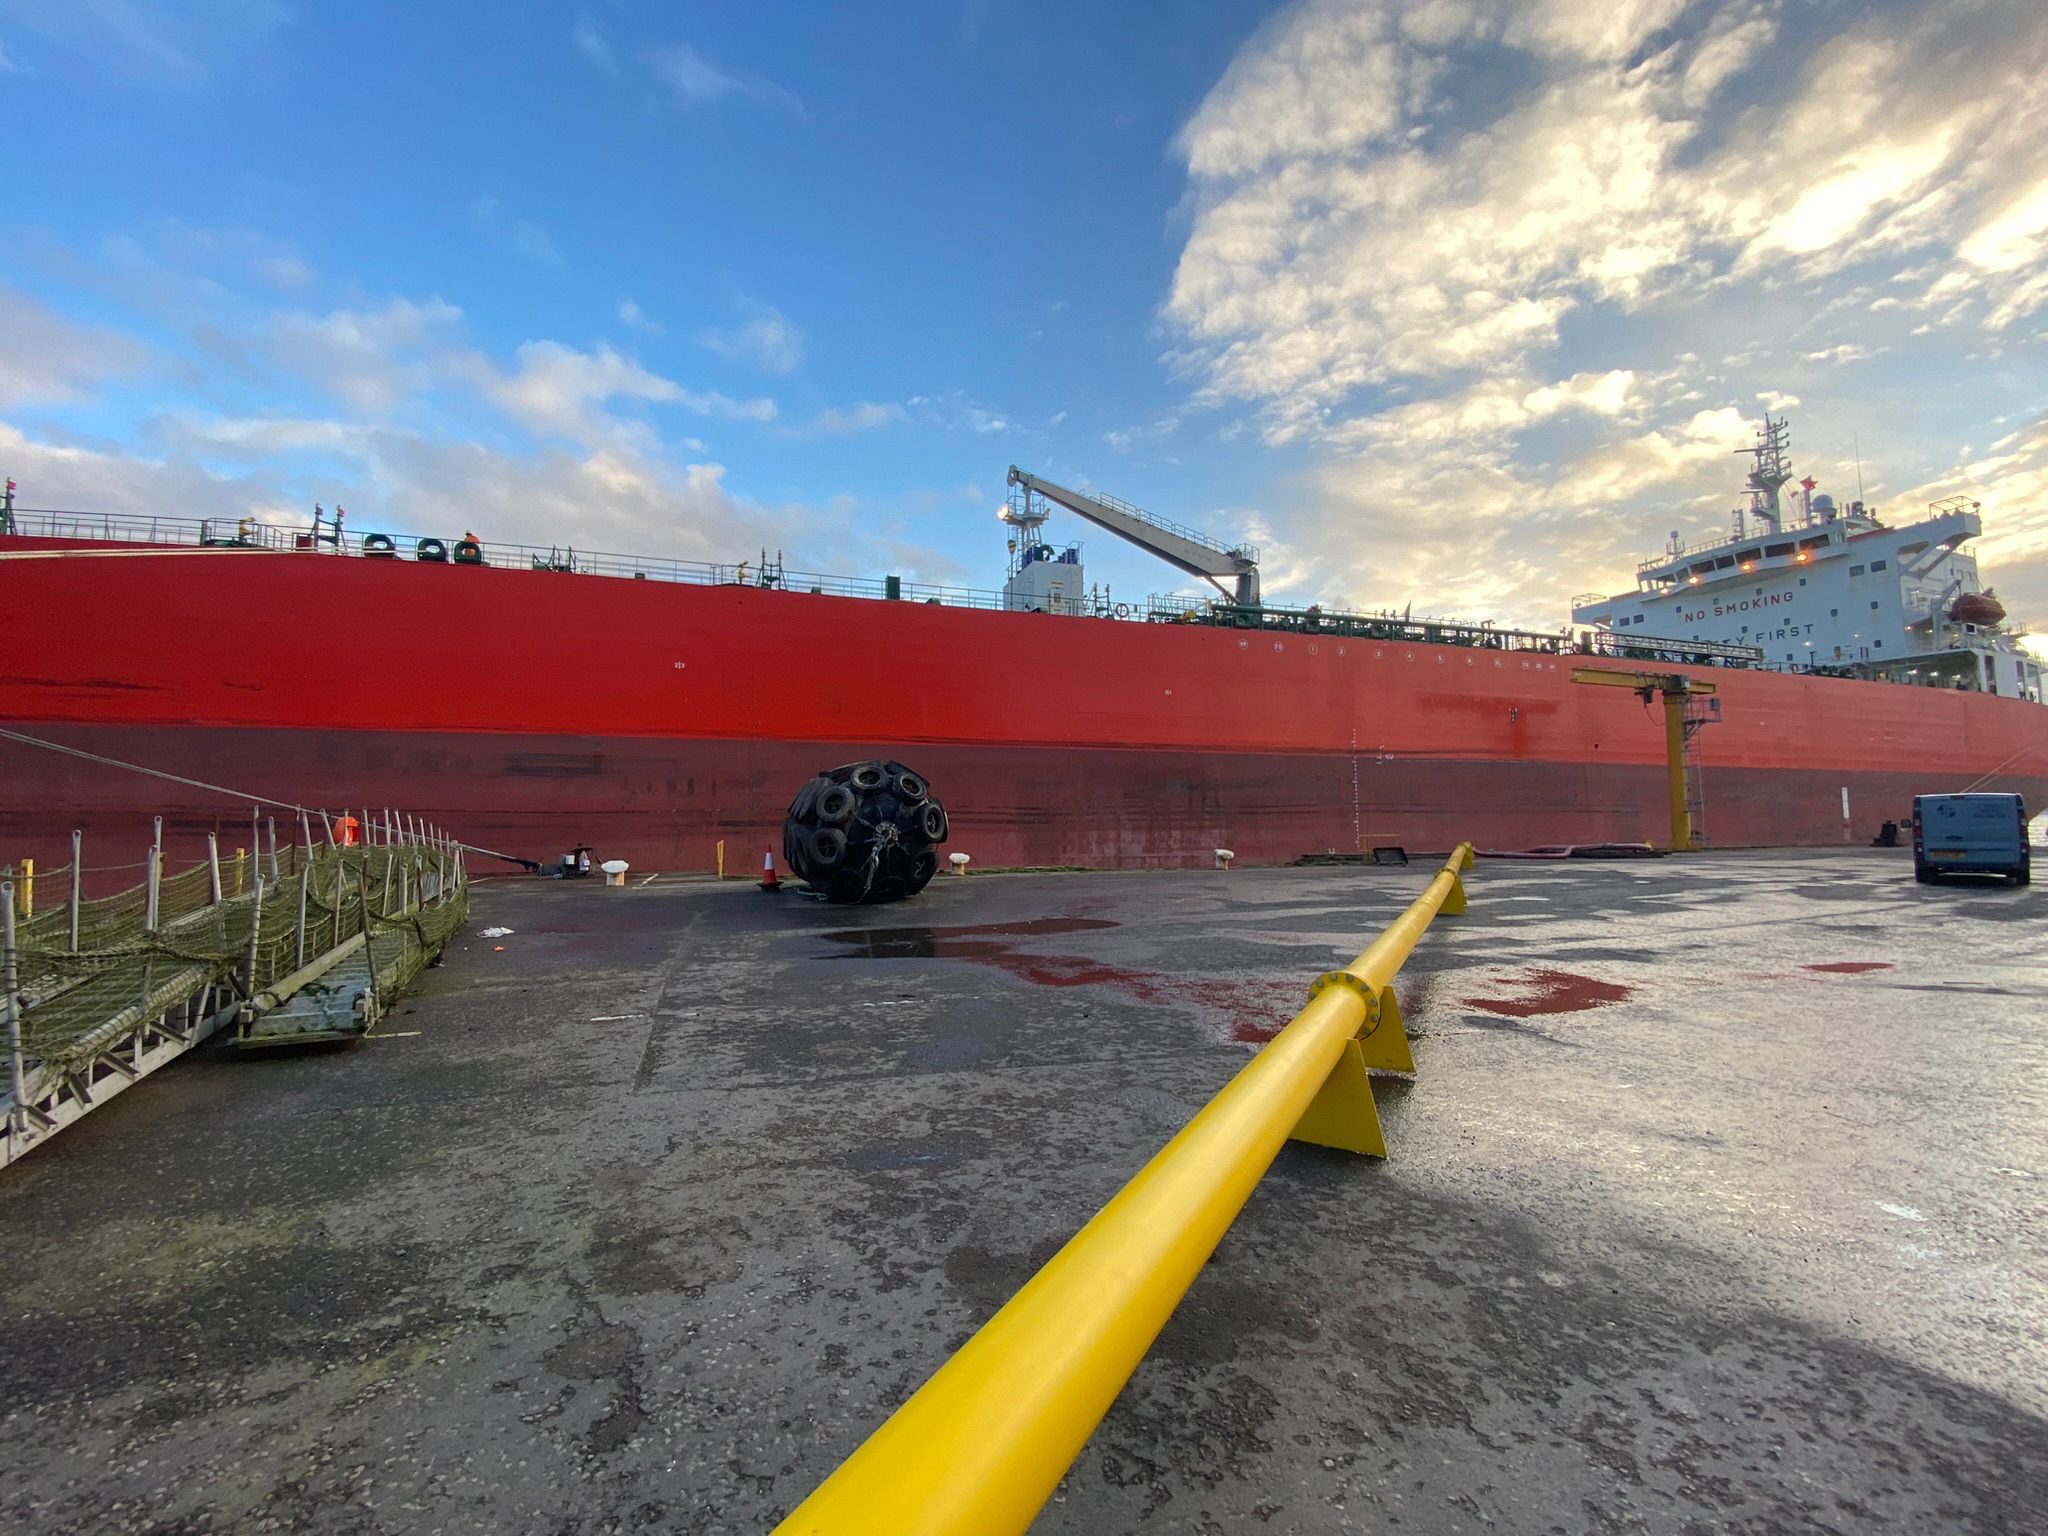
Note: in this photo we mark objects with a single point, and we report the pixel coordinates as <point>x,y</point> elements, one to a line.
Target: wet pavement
<point>1717,1206</point>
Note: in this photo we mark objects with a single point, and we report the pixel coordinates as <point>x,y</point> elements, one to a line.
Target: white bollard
<point>1223,858</point>
<point>959,861</point>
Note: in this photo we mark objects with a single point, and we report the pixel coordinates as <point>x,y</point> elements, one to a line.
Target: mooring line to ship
<point>217,789</point>
<point>1994,773</point>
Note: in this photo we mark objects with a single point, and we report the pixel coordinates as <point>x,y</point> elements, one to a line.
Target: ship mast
<point>1771,471</point>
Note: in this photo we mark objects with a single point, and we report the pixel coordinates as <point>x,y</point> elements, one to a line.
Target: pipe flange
<point>1351,982</point>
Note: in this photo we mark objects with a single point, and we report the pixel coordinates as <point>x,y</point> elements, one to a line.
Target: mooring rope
<point>245,796</point>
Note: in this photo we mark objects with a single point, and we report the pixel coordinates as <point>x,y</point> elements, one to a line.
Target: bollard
<point>959,861</point>
<point>1223,858</point>
<point>721,857</point>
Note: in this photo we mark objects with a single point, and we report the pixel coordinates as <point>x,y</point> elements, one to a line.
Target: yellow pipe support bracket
<point>979,1448</point>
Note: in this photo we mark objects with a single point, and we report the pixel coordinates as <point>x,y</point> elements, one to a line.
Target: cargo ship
<point>534,700</point>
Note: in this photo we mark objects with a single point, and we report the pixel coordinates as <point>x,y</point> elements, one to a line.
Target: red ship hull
<point>528,711</point>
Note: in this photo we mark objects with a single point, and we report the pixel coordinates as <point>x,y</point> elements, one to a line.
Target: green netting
<point>72,1001</point>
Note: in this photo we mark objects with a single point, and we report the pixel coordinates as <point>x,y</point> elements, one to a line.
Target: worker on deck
<point>345,831</point>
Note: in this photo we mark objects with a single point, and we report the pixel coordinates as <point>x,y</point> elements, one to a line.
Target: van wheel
<point>1923,874</point>
<point>2023,877</point>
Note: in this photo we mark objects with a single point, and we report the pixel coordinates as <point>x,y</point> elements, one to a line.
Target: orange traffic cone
<point>768,880</point>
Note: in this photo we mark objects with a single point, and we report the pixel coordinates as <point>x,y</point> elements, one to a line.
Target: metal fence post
<point>77,883</point>
<point>241,869</point>
<point>255,931</point>
<point>213,864</point>
<point>274,875</point>
<point>155,874</point>
<point>369,949</point>
<point>12,1005</point>
<point>305,879</point>
<point>327,826</point>
<point>28,888</point>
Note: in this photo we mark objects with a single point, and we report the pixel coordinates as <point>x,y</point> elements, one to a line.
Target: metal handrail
<point>981,1446</point>
<point>1242,549</point>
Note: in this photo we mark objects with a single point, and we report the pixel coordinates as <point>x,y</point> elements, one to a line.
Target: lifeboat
<point>1976,608</point>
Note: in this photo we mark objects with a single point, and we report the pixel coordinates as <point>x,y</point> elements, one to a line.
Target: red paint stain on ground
<point>1547,991</point>
<point>1850,967</point>
<point>1260,1009</point>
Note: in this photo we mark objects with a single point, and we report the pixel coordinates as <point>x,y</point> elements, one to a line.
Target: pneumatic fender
<point>865,832</point>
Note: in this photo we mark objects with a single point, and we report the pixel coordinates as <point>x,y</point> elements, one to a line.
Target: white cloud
<point>536,244</point>
<point>591,43</point>
<point>1125,439</point>
<point>48,360</point>
<point>636,318</point>
<point>1841,352</point>
<point>557,390</point>
<point>522,235</point>
<point>767,339</point>
<point>8,66</point>
<point>864,417</point>
<point>1333,249</point>
<point>697,81</point>
<point>372,360</point>
<point>166,42</point>
<point>283,272</point>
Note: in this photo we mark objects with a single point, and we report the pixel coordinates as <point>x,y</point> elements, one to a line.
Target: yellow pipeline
<point>981,1446</point>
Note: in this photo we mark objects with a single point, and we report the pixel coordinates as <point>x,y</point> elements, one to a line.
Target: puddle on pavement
<point>967,940</point>
<point>1544,991</point>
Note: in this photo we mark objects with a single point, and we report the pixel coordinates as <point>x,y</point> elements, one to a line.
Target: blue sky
<point>1458,303</point>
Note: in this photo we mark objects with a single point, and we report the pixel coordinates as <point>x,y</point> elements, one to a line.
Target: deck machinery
<point>1185,549</point>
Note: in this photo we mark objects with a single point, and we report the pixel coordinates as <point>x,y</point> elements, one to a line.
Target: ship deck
<point>1713,1206</point>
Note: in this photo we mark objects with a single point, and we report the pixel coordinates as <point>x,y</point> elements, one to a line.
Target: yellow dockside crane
<point>1681,722</point>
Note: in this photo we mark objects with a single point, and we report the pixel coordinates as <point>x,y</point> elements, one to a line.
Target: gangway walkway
<point>97,994</point>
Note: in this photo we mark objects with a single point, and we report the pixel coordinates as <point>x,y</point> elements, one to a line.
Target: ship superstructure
<point>1827,589</point>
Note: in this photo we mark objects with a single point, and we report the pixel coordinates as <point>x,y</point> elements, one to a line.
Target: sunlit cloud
<point>1452,249</point>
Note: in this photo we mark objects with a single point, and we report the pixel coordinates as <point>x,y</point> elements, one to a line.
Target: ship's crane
<point>1182,548</point>
<point>1682,721</point>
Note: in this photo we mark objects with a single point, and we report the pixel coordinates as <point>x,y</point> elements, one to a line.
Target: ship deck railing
<point>1172,608</point>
